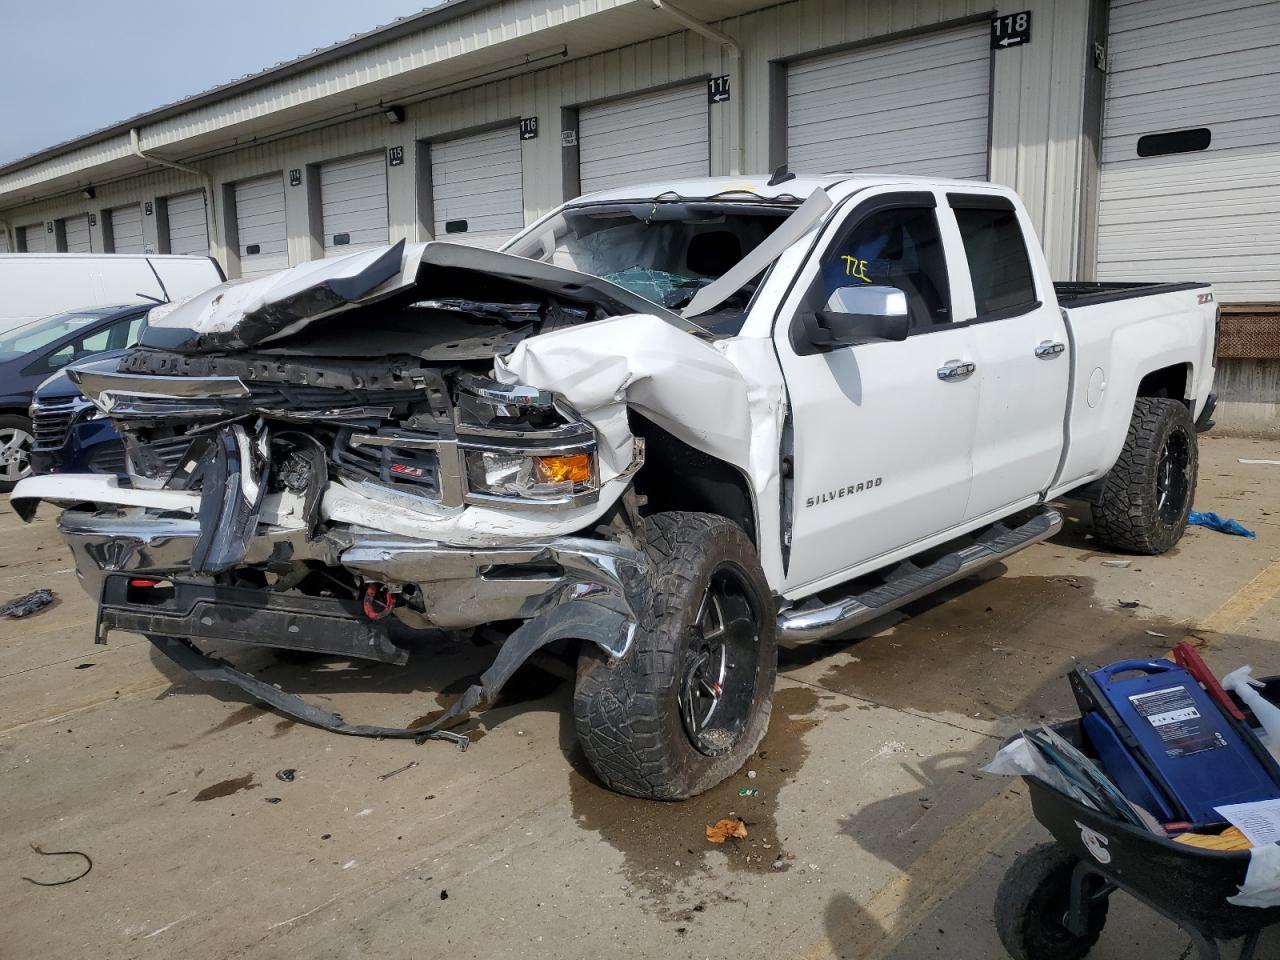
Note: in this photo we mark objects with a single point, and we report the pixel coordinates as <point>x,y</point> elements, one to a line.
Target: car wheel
<point>690,701</point>
<point>15,450</point>
<point>1147,496</point>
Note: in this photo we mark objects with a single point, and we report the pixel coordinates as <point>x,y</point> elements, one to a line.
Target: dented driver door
<point>881,431</point>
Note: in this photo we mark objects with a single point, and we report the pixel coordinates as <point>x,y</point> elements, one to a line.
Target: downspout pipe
<point>10,241</point>
<point>205,177</point>
<point>738,155</point>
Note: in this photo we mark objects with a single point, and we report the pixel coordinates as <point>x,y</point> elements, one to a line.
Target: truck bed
<point>1081,294</point>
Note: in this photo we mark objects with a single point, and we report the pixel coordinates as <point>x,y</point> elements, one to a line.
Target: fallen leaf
<point>722,830</point>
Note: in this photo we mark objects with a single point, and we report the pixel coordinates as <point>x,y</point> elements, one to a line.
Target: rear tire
<point>15,450</point>
<point>1032,903</point>
<point>1147,496</point>
<point>690,701</point>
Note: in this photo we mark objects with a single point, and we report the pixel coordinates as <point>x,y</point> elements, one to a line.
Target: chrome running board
<point>909,582</point>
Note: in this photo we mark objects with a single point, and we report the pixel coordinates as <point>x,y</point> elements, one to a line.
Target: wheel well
<point>676,476</point>
<point>1168,382</point>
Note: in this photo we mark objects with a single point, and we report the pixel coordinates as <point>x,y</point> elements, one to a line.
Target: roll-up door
<point>34,238</point>
<point>353,203</point>
<point>76,230</point>
<point>126,229</point>
<point>917,106</point>
<point>188,226</point>
<point>477,188</point>
<point>664,135</point>
<point>1190,185</point>
<point>263,237</point>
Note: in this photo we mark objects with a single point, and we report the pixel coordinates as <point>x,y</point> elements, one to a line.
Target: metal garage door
<point>188,228</point>
<point>477,188</point>
<point>916,106</point>
<point>260,225</point>
<point>658,135</point>
<point>34,238</point>
<point>1172,207</point>
<point>353,203</point>
<point>76,231</point>
<point>126,229</point>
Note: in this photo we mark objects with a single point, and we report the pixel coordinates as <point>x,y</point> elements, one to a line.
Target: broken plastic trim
<point>581,620</point>
<point>234,482</point>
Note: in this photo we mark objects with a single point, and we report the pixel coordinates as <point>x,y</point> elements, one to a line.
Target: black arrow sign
<point>1011,30</point>
<point>718,90</point>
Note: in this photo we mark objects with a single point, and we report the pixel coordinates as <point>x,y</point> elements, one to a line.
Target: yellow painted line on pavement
<point>1246,601</point>
<point>898,908</point>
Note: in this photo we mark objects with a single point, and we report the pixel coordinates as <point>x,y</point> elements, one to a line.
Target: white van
<point>35,285</point>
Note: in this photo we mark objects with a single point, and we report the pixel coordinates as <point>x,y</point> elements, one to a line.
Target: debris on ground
<point>391,773</point>
<point>27,604</point>
<point>273,799</point>
<point>1273,463</point>
<point>1129,604</point>
<point>1116,563</point>
<point>1157,633</point>
<point>751,774</point>
<point>286,775</point>
<point>748,792</point>
<point>1221,524</point>
<point>85,666</point>
<point>444,894</point>
<point>61,853</point>
<point>722,830</point>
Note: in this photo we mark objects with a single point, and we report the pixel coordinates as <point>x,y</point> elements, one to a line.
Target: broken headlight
<point>551,455</point>
<point>507,474</point>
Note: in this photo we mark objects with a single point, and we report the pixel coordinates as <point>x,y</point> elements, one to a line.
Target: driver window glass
<point>898,247</point>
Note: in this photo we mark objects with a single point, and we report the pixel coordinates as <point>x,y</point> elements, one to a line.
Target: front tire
<point>690,701</point>
<point>15,450</point>
<point>1147,496</point>
<point>1032,903</point>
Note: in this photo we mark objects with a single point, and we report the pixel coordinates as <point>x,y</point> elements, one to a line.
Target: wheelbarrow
<point>1052,903</point>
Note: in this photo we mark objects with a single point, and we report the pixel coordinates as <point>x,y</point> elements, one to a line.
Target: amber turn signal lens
<point>569,468</point>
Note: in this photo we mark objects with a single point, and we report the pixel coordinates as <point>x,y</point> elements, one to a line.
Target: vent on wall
<point>1176,141</point>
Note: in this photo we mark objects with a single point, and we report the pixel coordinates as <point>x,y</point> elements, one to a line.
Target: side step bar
<point>909,582</point>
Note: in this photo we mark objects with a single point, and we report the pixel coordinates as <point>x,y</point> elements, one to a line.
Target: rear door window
<point>1003,285</point>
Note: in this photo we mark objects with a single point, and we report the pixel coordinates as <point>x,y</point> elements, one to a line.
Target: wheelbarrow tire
<point>1031,906</point>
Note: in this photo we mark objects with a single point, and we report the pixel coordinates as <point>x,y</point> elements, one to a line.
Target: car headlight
<point>518,475</point>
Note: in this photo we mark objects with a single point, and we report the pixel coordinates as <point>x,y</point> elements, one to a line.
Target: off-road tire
<point>1127,515</point>
<point>627,712</point>
<point>1031,906</point>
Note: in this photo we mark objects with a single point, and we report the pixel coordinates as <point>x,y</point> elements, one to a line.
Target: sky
<point>73,66</point>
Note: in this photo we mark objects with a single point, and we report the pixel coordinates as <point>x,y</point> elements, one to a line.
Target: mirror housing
<point>853,315</point>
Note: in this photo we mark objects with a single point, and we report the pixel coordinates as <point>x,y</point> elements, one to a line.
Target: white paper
<point>1261,886</point>
<point>1259,821</point>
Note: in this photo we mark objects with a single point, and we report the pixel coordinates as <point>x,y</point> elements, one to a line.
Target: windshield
<point>665,251</point>
<point>41,333</point>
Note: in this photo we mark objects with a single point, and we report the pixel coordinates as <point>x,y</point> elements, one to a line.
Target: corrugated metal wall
<point>1036,115</point>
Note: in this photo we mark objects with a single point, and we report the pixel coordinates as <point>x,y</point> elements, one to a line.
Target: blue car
<point>70,434</point>
<point>30,354</point>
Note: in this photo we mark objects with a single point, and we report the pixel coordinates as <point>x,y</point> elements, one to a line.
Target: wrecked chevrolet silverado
<point>663,430</point>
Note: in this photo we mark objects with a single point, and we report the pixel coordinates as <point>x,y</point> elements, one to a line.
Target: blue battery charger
<point>1167,745</point>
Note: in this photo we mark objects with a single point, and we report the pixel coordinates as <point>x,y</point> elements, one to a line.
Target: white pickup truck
<point>664,430</point>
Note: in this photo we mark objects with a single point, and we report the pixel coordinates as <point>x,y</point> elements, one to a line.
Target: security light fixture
<point>394,114</point>
<point>88,193</point>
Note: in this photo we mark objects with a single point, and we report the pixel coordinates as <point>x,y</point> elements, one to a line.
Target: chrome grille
<point>51,421</point>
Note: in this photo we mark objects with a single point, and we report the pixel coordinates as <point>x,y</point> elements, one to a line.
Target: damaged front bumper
<point>563,588</point>
<point>458,587</point>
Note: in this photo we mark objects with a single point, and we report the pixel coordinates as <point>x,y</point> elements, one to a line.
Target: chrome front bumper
<point>460,587</point>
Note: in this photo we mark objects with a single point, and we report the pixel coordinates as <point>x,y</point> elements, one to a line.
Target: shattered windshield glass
<point>664,251</point>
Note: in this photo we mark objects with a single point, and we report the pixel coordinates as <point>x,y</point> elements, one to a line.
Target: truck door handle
<point>956,369</point>
<point>1049,349</point>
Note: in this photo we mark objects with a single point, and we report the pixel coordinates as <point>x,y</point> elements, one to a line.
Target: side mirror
<point>854,315</point>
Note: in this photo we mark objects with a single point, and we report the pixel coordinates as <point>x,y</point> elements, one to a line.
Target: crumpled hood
<point>245,313</point>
